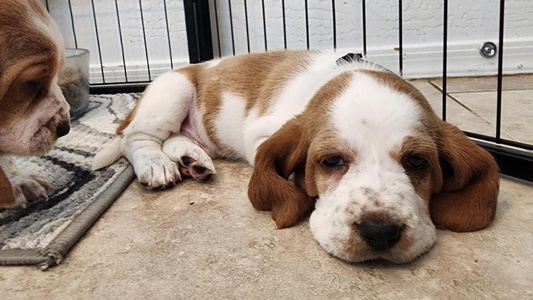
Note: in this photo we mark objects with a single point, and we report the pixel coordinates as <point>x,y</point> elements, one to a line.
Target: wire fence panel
<point>130,41</point>
<point>133,41</point>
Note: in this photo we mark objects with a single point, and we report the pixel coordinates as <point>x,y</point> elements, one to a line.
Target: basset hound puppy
<point>351,143</point>
<point>33,111</point>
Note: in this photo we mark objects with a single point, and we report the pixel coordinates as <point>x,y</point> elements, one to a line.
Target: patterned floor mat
<point>43,233</point>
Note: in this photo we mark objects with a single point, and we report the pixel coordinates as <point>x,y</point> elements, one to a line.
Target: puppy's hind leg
<point>161,111</point>
<point>193,160</point>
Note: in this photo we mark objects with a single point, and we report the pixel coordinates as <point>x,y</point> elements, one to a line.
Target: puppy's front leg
<point>17,190</point>
<point>7,198</point>
<point>160,112</point>
<point>153,168</point>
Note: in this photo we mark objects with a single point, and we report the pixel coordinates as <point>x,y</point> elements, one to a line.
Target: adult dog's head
<point>383,168</point>
<point>33,111</point>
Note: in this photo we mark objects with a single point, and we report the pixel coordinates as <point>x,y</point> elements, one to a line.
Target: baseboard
<point>137,71</point>
<point>424,61</point>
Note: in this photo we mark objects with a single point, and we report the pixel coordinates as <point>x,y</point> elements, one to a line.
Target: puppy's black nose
<point>380,234</point>
<point>63,129</point>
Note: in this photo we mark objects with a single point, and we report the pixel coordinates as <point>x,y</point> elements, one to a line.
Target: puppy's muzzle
<point>379,234</point>
<point>63,129</point>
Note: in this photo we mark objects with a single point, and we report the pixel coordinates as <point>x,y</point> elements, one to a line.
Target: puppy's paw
<point>193,160</point>
<point>157,171</point>
<point>28,189</point>
<point>201,169</point>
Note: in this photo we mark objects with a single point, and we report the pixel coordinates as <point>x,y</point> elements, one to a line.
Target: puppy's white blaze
<point>374,120</point>
<point>229,122</point>
<point>373,108</point>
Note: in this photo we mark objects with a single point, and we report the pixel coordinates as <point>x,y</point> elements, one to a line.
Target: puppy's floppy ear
<point>7,199</point>
<point>469,195</point>
<point>282,154</point>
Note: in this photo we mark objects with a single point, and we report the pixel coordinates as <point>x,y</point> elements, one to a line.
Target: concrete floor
<point>205,241</point>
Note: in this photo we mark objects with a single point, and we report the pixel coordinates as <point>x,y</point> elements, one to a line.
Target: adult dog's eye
<point>333,162</point>
<point>416,162</point>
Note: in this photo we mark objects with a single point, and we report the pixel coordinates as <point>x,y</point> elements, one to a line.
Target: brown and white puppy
<point>33,111</point>
<point>364,147</point>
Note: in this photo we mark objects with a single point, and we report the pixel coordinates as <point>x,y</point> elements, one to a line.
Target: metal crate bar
<point>98,41</point>
<point>231,25</point>
<point>265,24</point>
<point>144,40</point>
<point>511,162</point>
<point>247,25</point>
<point>121,41</point>
<point>500,72</point>
<point>334,20</point>
<point>72,24</point>
<point>168,35</point>
<point>217,27</point>
<point>444,58</point>
<point>307,23</point>
<point>363,12</point>
<point>400,37</point>
<point>114,88</point>
<point>284,24</point>
<point>500,141</point>
<point>198,30</point>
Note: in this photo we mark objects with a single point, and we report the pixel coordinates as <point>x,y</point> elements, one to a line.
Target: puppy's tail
<point>107,156</point>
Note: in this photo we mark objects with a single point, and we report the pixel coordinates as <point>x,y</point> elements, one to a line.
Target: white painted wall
<point>470,23</point>
<point>135,54</point>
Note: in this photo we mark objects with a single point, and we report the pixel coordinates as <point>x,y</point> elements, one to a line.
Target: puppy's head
<point>33,111</point>
<point>383,168</point>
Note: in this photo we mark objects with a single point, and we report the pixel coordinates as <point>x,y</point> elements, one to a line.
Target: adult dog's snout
<point>379,234</point>
<point>63,129</point>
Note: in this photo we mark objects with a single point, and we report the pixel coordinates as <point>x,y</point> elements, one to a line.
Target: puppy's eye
<point>334,161</point>
<point>416,162</point>
<point>33,86</point>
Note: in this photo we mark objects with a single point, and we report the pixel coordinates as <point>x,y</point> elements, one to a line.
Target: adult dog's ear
<point>281,155</point>
<point>7,199</point>
<point>469,195</point>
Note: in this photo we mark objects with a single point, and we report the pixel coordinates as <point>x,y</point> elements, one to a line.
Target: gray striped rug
<point>43,233</point>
